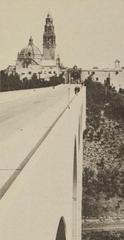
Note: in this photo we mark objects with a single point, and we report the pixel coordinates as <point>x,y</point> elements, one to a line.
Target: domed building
<point>30,60</point>
<point>31,53</point>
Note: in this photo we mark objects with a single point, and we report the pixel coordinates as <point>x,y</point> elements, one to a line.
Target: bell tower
<point>49,39</point>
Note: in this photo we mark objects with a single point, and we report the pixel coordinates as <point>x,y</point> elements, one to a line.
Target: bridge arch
<point>61,231</point>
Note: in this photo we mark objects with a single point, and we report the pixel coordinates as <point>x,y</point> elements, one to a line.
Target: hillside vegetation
<point>12,82</point>
<point>103,167</point>
<point>112,235</point>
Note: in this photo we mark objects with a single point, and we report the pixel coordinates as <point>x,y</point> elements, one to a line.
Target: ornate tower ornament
<point>117,64</point>
<point>30,41</point>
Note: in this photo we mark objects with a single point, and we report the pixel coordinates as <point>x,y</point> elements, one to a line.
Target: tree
<point>75,73</point>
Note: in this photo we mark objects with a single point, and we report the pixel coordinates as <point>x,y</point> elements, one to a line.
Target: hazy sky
<point>88,32</point>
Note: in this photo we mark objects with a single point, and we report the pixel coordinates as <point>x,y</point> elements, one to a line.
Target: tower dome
<point>30,52</point>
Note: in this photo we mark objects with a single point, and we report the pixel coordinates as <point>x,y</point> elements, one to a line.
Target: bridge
<point>41,163</point>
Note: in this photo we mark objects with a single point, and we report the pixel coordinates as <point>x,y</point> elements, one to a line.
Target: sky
<point>88,32</point>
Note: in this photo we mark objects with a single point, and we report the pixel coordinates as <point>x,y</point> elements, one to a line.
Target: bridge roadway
<point>25,117</point>
<point>41,155</point>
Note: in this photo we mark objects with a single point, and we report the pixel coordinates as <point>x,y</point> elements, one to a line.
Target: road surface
<point>25,116</point>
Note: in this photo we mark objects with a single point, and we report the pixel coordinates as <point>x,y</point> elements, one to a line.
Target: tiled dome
<point>30,52</point>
